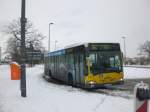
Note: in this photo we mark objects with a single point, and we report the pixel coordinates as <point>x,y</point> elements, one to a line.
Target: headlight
<point>92,82</point>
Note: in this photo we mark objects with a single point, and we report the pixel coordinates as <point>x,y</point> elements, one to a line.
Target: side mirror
<point>88,62</point>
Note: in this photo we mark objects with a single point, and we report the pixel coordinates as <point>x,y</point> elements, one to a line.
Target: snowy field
<point>43,96</point>
<point>132,73</point>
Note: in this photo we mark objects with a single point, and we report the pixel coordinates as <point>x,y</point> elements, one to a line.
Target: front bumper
<point>101,86</point>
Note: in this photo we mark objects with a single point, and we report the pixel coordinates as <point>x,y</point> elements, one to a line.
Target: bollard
<point>141,97</point>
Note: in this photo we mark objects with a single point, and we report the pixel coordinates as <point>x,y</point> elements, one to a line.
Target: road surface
<point>130,83</point>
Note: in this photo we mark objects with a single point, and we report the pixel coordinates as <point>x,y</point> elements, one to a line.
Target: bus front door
<point>79,68</point>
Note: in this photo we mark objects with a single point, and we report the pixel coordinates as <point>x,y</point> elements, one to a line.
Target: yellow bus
<point>90,65</point>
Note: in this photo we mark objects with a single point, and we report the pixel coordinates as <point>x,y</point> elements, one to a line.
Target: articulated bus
<point>90,65</point>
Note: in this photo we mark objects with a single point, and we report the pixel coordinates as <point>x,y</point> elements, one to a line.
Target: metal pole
<point>55,43</point>
<point>23,51</point>
<point>31,48</point>
<point>49,37</point>
<point>0,54</point>
<point>124,49</point>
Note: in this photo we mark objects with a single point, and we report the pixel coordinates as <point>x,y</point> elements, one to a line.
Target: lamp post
<point>55,43</point>
<point>0,54</point>
<point>23,50</point>
<point>124,40</point>
<point>49,37</point>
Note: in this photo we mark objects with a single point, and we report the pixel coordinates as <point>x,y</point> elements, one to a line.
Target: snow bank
<point>132,73</point>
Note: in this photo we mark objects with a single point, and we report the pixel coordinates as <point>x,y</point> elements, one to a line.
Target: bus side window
<point>63,59</point>
<point>93,58</point>
<point>85,66</point>
<point>70,61</point>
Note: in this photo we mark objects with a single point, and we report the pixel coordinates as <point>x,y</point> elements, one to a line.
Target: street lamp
<point>49,37</point>
<point>55,43</point>
<point>0,54</point>
<point>124,40</point>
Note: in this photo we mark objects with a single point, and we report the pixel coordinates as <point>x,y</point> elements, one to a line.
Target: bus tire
<point>70,79</point>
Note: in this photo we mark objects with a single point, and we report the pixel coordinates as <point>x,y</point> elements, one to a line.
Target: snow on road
<point>43,96</point>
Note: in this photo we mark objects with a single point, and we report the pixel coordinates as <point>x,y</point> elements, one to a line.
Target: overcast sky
<point>84,20</point>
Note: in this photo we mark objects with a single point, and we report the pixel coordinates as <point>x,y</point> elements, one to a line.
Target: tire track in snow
<point>99,104</point>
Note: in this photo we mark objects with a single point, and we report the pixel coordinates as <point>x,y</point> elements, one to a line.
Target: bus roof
<point>76,45</point>
<point>62,51</point>
<point>85,44</point>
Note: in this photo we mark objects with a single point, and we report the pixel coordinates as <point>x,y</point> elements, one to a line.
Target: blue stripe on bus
<point>56,53</point>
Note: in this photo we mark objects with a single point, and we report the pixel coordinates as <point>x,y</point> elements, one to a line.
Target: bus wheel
<point>70,79</point>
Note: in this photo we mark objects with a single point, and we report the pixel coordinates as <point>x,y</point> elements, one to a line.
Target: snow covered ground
<point>43,96</point>
<point>132,73</point>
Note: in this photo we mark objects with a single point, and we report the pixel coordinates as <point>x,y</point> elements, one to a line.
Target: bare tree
<point>145,52</point>
<point>145,49</point>
<point>13,50</point>
<point>32,37</point>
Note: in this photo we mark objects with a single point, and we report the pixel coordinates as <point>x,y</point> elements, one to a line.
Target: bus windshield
<point>105,61</point>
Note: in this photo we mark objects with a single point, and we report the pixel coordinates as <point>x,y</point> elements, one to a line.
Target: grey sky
<point>85,20</point>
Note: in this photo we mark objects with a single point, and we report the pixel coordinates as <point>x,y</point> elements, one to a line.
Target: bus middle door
<point>77,68</point>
